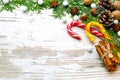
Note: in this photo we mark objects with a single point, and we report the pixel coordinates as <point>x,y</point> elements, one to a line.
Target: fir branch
<point>115,37</point>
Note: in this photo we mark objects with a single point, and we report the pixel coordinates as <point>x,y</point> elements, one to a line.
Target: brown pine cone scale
<point>106,18</point>
<point>105,4</point>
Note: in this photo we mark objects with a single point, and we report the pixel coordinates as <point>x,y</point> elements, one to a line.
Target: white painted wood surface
<point>37,47</point>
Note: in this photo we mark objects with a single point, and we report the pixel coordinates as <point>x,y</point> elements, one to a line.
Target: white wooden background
<point>37,47</point>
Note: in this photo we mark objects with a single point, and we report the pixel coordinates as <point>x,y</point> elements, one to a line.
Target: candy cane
<point>83,26</point>
<point>99,26</point>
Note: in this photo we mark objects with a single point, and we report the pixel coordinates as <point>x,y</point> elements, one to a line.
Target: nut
<point>54,4</point>
<point>116,27</point>
<point>87,2</point>
<point>93,11</point>
<point>116,14</point>
<point>83,17</point>
<point>117,5</point>
<point>74,10</point>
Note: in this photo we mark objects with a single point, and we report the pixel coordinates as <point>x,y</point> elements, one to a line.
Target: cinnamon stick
<point>117,57</point>
<point>110,63</point>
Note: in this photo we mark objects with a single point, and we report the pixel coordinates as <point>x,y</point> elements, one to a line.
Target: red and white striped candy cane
<point>83,26</point>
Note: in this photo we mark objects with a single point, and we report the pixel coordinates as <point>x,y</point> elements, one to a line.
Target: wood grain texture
<point>39,49</point>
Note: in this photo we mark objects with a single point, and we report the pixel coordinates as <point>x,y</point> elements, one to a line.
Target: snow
<point>42,30</point>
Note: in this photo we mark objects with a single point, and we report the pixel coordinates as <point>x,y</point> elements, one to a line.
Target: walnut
<point>116,14</point>
<point>117,5</point>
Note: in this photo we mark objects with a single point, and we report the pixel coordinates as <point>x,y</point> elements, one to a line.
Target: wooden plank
<point>42,50</point>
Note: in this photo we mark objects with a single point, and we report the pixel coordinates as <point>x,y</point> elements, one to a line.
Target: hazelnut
<point>54,4</point>
<point>87,2</point>
<point>116,14</point>
<point>83,17</point>
<point>116,27</point>
<point>93,11</point>
<point>74,10</point>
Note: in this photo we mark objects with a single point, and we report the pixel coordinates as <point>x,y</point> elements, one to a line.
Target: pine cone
<point>106,4</point>
<point>106,18</point>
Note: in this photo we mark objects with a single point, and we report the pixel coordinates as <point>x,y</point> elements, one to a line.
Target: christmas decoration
<point>105,4</point>
<point>104,50</point>
<point>117,5</point>
<point>83,26</point>
<point>116,27</point>
<point>76,17</point>
<point>90,12</point>
<point>118,33</point>
<point>65,3</point>
<point>93,11</point>
<point>83,17</point>
<point>74,10</point>
<point>115,21</point>
<point>99,26</point>
<point>40,2</point>
<point>106,18</point>
<point>5,1</point>
<point>60,7</point>
<point>87,2</point>
<point>116,14</point>
<point>54,4</point>
<point>93,5</point>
